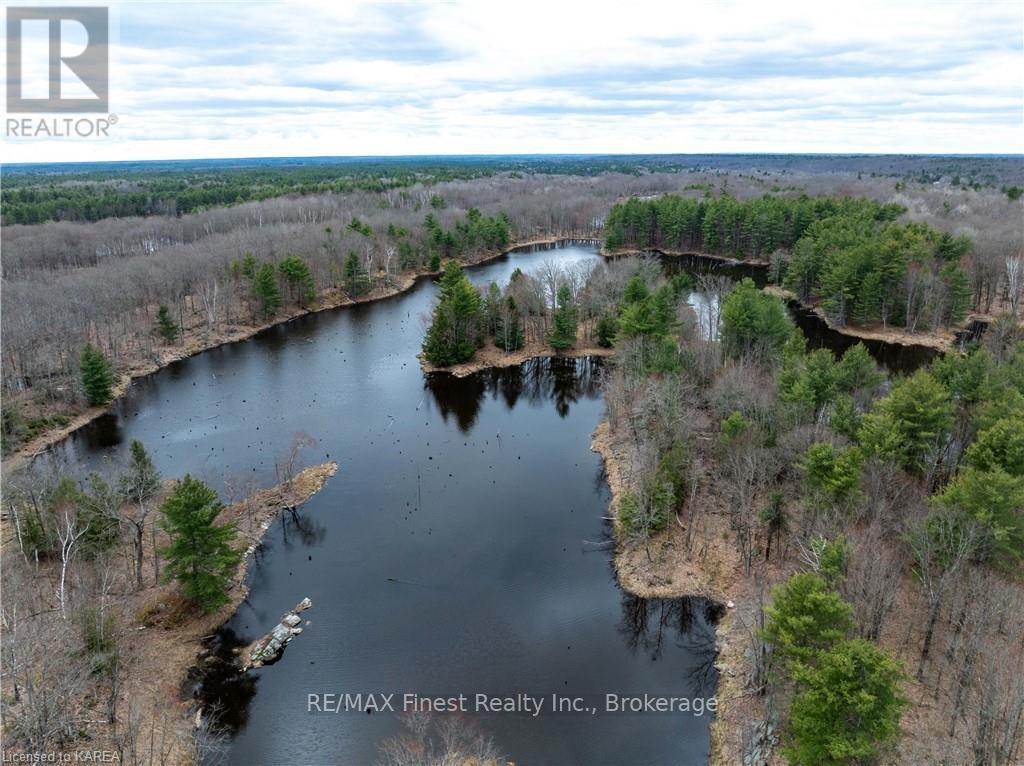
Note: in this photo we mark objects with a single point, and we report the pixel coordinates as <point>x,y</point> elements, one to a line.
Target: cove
<point>449,554</point>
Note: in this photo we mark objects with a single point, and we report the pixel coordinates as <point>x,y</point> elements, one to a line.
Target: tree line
<point>724,225</point>
<point>846,254</point>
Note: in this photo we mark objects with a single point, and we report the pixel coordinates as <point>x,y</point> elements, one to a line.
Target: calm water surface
<point>449,554</point>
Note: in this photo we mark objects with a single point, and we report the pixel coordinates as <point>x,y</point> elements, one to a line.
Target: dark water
<point>894,357</point>
<point>448,554</point>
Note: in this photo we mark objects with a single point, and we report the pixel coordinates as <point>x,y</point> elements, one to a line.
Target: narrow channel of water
<point>450,552</point>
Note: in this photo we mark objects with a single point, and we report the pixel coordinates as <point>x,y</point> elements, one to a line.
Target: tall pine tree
<point>458,320</point>
<point>265,287</point>
<point>356,280</point>
<point>563,333</point>
<point>97,376</point>
<point>200,556</point>
<point>508,332</point>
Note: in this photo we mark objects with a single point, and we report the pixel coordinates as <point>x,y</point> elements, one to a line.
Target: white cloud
<point>309,78</point>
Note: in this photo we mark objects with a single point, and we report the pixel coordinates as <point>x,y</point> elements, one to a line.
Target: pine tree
<point>97,376</point>
<point>200,556</point>
<point>492,305</point>
<point>456,327</point>
<point>847,708</point>
<point>806,618</point>
<point>917,415</point>
<point>563,333</point>
<point>249,265</point>
<point>265,287</point>
<point>166,325</point>
<point>356,280</point>
<point>607,329</point>
<point>754,323</point>
<point>300,279</point>
<point>97,514</point>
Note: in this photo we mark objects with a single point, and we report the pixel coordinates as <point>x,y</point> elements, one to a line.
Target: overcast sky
<point>307,78</point>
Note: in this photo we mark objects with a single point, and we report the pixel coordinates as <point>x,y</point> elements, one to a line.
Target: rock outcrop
<point>270,647</point>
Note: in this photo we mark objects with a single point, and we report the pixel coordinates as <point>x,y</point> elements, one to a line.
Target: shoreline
<point>330,300</point>
<point>493,358</point>
<point>712,574</point>
<point>623,252</point>
<point>943,341</point>
<point>254,515</point>
<point>163,641</point>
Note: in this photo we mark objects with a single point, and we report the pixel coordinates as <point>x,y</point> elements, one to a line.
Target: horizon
<point>311,79</point>
<point>15,166</point>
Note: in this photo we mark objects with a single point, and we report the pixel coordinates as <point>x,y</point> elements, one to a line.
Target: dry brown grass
<point>161,634</point>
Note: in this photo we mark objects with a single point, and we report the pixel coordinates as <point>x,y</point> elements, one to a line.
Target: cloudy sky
<point>337,78</point>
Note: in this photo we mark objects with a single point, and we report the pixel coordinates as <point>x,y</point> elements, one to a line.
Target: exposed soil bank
<point>940,340</point>
<point>205,340</point>
<point>680,562</point>
<point>626,251</point>
<point>168,640</point>
<point>943,340</point>
<point>492,357</point>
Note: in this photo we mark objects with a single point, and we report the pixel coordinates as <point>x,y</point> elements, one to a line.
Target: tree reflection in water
<point>560,380</point>
<point>687,622</point>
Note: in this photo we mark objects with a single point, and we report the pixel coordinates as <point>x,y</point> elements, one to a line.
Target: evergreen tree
<point>300,279</point>
<point>1001,445</point>
<point>249,265</point>
<point>847,708</point>
<point>200,556</point>
<point>97,513</point>
<point>857,371</point>
<point>563,333</point>
<point>754,323</point>
<point>357,281</point>
<point>806,618</point>
<point>492,306</point>
<point>845,419</point>
<point>994,500</point>
<point>917,415</point>
<point>607,329</point>
<point>636,290</point>
<point>456,327</point>
<point>832,472</point>
<point>166,325</point>
<point>97,376</point>
<point>265,288</point>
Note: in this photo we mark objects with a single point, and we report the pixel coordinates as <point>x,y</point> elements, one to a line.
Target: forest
<point>124,284</point>
<point>849,255</point>
<point>867,525</point>
<point>872,525</point>
<point>93,191</point>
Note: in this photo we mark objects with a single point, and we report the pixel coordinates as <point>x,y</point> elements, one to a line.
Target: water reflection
<point>650,625</point>
<point>894,357</point>
<point>561,381</point>
<point>226,693</point>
